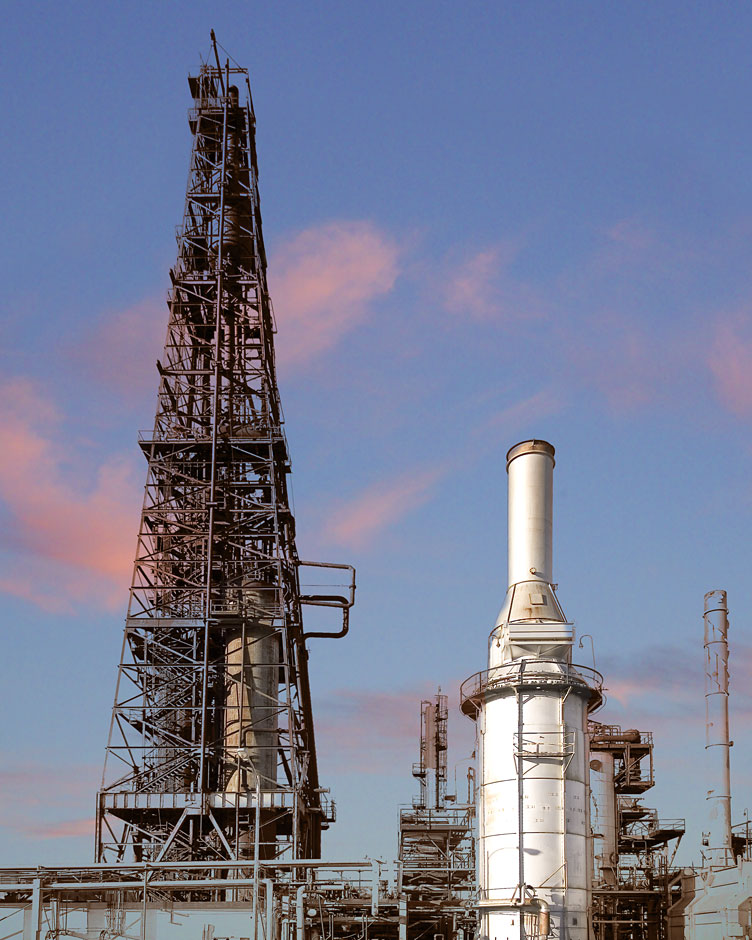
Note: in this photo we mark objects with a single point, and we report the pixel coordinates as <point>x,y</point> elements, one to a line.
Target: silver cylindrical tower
<point>530,515</point>
<point>717,728</point>
<point>531,708</point>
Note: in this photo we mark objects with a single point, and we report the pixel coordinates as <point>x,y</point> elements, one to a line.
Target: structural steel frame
<point>211,751</point>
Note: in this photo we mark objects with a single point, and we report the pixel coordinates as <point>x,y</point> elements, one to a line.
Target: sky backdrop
<point>485,222</point>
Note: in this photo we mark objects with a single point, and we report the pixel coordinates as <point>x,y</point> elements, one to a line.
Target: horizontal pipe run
<point>38,870</point>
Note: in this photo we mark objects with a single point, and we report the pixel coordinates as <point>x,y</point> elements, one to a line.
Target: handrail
<point>526,672</point>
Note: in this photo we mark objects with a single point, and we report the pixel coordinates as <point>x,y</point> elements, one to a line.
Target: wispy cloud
<point>663,689</point>
<point>46,802</point>
<point>65,829</point>
<point>71,531</point>
<point>627,364</point>
<point>730,362</point>
<point>483,288</point>
<point>373,731</point>
<point>637,245</point>
<point>671,668</point>
<point>121,349</point>
<point>628,241</point>
<point>527,411</point>
<point>322,281</point>
<point>600,327</point>
<point>359,520</point>
<point>618,360</point>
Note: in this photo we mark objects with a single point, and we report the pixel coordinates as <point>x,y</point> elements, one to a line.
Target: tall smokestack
<point>531,708</point>
<point>717,740</point>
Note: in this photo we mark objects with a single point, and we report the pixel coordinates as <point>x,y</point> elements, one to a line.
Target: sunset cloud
<point>628,241</point>
<point>665,686</point>
<point>65,829</point>
<point>627,364</point>
<point>47,802</point>
<point>121,350</point>
<point>620,361</point>
<point>527,411</point>
<point>70,530</point>
<point>376,731</point>
<point>482,288</point>
<point>358,521</point>
<point>730,362</point>
<point>322,281</point>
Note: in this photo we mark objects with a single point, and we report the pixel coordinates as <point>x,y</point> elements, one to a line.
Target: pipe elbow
<point>544,918</point>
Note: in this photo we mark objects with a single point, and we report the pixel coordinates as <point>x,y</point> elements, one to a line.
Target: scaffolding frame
<point>437,840</point>
<point>211,752</point>
<point>635,906</point>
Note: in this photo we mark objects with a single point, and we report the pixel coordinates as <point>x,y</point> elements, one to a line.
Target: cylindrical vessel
<point>603,817</point>
<point>717,727</point>
<point>530,466</point>
<point>251,708</point>
<point>532,707</point>
<point>533,802</point>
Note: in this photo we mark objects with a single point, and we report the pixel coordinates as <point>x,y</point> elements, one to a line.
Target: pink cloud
<point>321,282</point>
<point>644,692</point>
<point>74,535</point>
<point>627,691</point>
<point>627,363</point>
<point>730,361</point>
<point>482,288</point>
<point>621,362</point>
<point>66,829</point>
<point>634,243</point>
<point>527,411</point>
<point>371,731</point>
<point>359,521</point>
<point>39,784</point>
<point>121,350</point>
<point>664,689</point>
<point>37,798</point>
<point>632,236</point>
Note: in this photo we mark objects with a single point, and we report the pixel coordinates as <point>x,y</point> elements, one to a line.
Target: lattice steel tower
<point>211,752</point>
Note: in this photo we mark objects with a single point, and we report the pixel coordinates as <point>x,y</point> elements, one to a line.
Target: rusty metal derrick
<point>211,752</point>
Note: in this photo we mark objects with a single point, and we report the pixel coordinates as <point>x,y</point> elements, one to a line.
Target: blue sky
<point>485,223</point>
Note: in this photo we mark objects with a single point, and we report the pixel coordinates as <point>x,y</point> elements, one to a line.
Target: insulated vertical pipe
<point>717,727</point>
<point>530,466</point>
<point>269,897</point>
<point>252,709</point>
<point>300,913</point>
<point>603,817</point>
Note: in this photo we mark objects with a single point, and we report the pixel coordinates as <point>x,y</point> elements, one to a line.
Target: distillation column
<point>531,708</point>
<point>604,818</point>
<point>717,727</point>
